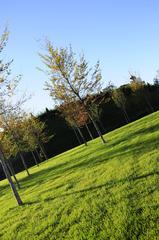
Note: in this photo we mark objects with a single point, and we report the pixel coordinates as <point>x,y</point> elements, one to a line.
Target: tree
<point>79,115</point>
<point>82,119</point>
<point>138,86</point>
<point>120,101</point>
<point>7,86</point>
<point>70,112</point>
<point>7,147</point>
<point>26,133</point>
<point>96,107</point>
<point>37,132</point>
<point>30,138</point>
<point>78,139</point>
<point>71,79</point>
<point>12,125</point>
<point>8,176</point>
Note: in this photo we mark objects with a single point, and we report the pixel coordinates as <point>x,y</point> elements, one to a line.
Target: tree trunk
<point>126,115</point>
<point>38,155</point>
<point>77,136</point>
<point>43,150</point>
<point>24,164</point>
<point>91,118</point>
<point>13,188</point>
<point>84,140</point>
<point>13,174</point>
<point>36,162</point>
<point>90,134</point>
<point>97,128</point>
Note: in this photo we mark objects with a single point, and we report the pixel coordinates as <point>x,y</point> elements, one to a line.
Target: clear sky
<point>122,34</point>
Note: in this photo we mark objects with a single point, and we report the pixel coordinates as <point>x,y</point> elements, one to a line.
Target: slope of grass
<point>97,192</point>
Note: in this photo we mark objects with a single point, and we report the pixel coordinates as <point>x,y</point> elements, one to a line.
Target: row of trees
<point>138,88</point>
<point>73,84</point>
<point>77,117</point>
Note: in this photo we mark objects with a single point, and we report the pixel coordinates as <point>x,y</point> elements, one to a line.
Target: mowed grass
<point>97,192</point>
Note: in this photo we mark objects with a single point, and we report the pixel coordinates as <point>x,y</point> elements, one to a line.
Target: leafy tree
<point>96,108</point>
<point>26,133</point>
<point>7,147</point>
<point>30,139</point>
<point>71,79</point>
<point>70,112</point>
<point>138,87</point>
<point>38,135</point>
<point>83,118</point>
<point>8,176</point>
<point>13,127</point>
<point>79,115</point>
<point>7,87</point>
<point>120,100</point>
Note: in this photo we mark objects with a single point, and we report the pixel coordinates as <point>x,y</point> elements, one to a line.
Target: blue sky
<point>123,35</point>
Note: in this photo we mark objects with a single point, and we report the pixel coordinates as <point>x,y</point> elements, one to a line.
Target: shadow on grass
<point>108,185</point>
<point>90,160</point>
<point>105,153</point>
<point>132,134</point>
<point>3,189</point>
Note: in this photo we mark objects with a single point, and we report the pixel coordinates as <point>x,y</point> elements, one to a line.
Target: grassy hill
<point>97,192</point>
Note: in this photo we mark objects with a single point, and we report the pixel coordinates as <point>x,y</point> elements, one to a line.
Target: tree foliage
<point>70,77</point>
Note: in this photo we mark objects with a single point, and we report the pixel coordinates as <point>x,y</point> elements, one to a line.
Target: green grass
<point>97,192</point>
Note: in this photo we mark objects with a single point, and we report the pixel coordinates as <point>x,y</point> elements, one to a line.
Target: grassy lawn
<point>97,192</point>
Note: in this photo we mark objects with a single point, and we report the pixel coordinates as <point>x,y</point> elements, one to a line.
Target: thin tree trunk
<point>91,118</point>
<point>43,150</point>
<point>77,136</point>
<point>126,120</point>
<point>90,134</point>
<point>36,162</point>
<point>13,174</point>
<point>24,164</point>
<point>97,128</point>
<point>38,155</point>
<point>84,140</point>
<point>11,165</point>
<point>13,188</point>
<point>126,115</point>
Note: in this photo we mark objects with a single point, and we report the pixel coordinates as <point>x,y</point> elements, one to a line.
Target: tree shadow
<point>136,133</point>
<point>3,189</point>
<point>88,161</point>
<point>107,186</point>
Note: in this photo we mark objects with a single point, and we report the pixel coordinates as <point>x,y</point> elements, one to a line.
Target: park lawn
<point>103,191</point>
